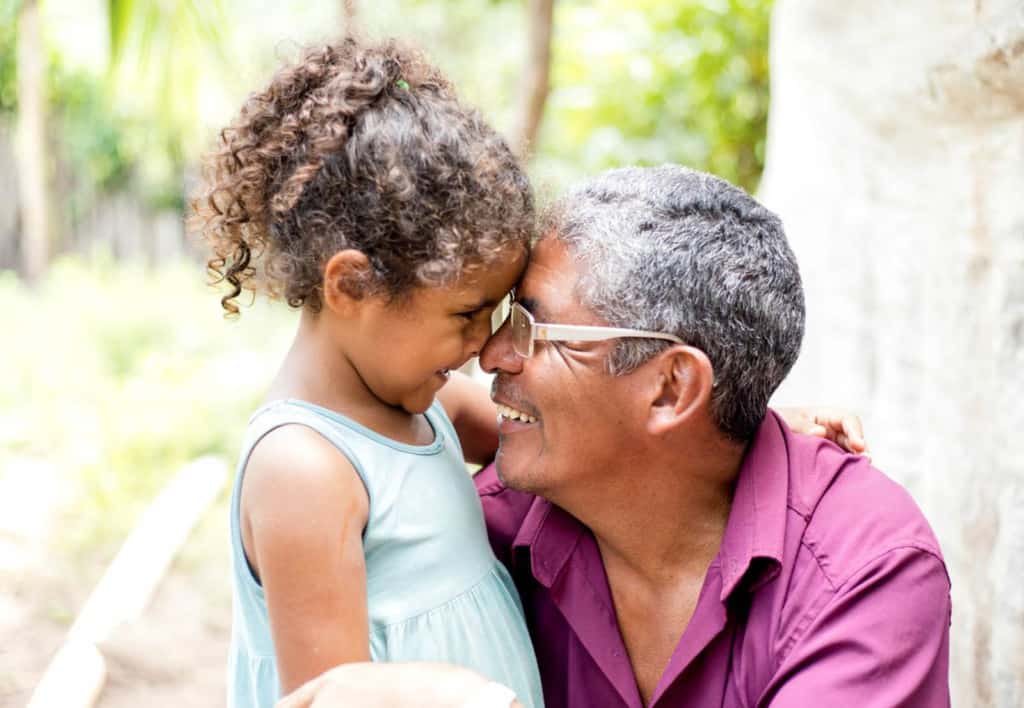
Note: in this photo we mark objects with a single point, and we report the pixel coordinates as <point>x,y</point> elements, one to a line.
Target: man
<point>673,542</point>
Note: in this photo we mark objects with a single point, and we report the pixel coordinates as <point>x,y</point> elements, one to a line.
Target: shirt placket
<point>700,642</point>
<point>582,595</point>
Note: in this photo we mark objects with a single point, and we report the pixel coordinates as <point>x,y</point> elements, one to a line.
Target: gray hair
<point>673,250</point>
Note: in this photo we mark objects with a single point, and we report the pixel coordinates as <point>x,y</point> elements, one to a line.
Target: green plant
<point>8,39</point>
<point>647,82</point>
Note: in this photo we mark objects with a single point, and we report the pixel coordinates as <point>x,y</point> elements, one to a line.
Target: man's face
<point>577,416</point>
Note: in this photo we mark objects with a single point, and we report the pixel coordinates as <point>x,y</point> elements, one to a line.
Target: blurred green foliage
<point>118,375</point>
<point>8,78</point>
<point>163,55</point>
<point>136,123</point>
<point>647,82</point>
<point>91,138</point>
<point>89,134</point>
<point>633,82</point>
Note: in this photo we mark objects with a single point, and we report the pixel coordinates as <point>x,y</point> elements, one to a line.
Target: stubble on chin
<point>500,468</point>
<point>498,465</point>
<point>515,477</point>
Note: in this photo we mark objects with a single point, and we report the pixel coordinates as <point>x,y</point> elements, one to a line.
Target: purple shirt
<point>828,589</point>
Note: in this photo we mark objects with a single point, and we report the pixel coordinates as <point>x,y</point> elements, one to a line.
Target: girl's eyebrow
<point>480,304</point>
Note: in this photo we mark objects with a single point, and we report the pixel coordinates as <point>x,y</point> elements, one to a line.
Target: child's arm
<point>474,416</point>
<point>303,511</point>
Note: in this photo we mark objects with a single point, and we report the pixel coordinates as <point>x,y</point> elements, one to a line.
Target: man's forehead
<point>549,279</point>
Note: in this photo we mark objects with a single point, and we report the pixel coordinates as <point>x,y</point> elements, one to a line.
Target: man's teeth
<point>513,414</point>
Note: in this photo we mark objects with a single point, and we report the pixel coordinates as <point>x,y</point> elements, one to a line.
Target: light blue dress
<point>435,591</point>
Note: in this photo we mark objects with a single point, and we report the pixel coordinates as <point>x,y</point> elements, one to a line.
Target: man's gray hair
<point>673,250</point>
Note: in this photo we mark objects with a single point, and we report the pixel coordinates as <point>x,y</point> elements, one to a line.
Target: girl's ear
<point>346,276</point>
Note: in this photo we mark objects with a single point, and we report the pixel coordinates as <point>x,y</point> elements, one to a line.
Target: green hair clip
<point>402,84</point>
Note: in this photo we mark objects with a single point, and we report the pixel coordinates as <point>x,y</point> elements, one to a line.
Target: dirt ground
<point>173,655</point>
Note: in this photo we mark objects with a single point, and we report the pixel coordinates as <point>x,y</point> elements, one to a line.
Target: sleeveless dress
<point>435,591</point>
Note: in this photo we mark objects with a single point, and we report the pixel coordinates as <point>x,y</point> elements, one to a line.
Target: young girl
<point>359,189</point>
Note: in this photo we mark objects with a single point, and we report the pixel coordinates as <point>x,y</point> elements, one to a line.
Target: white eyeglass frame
<point>573,333</point>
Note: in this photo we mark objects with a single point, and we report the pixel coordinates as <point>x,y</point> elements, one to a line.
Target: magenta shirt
<point>829,589</point>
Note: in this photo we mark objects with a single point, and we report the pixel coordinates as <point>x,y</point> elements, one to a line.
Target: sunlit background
<point>118,367</point>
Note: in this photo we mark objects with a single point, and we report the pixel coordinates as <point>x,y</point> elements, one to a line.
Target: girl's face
<point>407,350</point>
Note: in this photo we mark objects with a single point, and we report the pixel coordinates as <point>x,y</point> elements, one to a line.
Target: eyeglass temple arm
<point>584,333</point>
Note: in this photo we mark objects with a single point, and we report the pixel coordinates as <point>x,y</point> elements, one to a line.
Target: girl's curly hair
<point>360,146</point>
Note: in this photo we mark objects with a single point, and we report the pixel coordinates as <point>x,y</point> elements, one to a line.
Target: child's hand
<point>391,685</point>
<point>836,424</point>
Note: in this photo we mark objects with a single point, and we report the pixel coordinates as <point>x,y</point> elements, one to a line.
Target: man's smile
<point>508,413</point>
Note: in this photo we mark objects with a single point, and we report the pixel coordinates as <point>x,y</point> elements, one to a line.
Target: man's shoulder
<point>860,607</point>
<point>504,510</point>
<point>851,512</point>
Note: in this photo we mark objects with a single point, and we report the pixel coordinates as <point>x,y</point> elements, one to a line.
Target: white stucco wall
<point>896,160</point>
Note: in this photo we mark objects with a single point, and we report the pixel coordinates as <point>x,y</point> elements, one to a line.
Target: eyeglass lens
<point>521,324</point>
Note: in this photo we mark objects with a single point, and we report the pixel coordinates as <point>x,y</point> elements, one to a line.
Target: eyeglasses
<point>525,331</point>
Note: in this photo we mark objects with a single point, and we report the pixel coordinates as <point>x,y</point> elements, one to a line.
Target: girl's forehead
<point>479,286</point>
<point>500,275</point>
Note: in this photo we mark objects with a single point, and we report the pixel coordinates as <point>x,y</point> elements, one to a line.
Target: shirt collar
<point>551,535</point>
<point>754,539</point>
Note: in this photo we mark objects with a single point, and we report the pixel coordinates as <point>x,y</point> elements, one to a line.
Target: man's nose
<point>498,355</point>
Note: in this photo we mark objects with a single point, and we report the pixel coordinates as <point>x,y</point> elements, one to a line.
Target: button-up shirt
<point>828,589</point>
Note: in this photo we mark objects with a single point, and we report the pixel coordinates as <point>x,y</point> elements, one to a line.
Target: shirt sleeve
<point>882,641</point>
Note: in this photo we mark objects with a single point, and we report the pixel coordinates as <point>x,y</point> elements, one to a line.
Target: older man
<point>673,542</point>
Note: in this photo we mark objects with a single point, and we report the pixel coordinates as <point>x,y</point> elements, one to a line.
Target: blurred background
<point>889,136</point>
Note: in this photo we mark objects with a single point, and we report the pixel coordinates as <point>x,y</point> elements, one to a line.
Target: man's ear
<point>346,276</point>
<point>682,386</point>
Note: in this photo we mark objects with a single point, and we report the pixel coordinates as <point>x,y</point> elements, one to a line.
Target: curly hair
<point>361,146</point>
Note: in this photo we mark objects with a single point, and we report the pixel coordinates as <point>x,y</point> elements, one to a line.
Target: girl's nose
<point>478,337</point>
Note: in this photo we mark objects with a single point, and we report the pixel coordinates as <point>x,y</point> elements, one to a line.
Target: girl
<point>358,188</point>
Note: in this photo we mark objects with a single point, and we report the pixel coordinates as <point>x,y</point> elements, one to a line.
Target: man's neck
<point>658,530</point>
<point>667,517</point>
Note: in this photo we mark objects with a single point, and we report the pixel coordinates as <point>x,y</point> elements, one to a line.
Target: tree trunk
<point>535,83</point>
<point>896,160</point>
<point>350,13</point>
<point>32,157</point>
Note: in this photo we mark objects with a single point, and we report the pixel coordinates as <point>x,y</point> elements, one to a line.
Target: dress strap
<point>280,413</point>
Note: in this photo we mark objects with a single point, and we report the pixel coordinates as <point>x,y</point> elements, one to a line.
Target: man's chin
<point>498,470</point>
<point>507,474</point>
